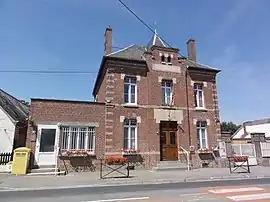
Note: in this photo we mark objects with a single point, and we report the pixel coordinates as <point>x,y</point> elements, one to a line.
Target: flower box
<point>75,153</point>
<point>205,150</point>
<point>240,158</point>
<point>115,160</point>
<point>130,151</point>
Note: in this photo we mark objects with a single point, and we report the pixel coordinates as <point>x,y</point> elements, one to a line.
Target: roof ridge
<point>121,50</point>
<point>13,106</point>
<point>9,95</point>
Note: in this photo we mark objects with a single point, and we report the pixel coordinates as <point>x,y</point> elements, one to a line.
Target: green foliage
<point>229,127</point>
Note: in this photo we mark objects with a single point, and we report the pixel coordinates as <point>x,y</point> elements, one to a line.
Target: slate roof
<point>155,41</point>
<point>136,52</point>
<point>15,108</point>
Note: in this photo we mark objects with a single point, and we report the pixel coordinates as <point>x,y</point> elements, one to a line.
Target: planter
<point>130,151</point>
<point>115,160</point>
<point>75,153</point>
<point>205,150</point>
<point>114,165</point>
<point>240,158</point>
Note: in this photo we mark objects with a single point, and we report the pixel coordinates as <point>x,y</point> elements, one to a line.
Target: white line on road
<point>204,199</point>
<point>121,199</point>
<point>193,194</point>
<point>222,191</point>
<point>249,197</point>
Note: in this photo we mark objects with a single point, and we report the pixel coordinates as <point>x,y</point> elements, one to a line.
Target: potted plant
<point>75,153</point>
<point>130,151</point>
<point>240,158</point>
<point>115,160</point>
<point>205,150</point>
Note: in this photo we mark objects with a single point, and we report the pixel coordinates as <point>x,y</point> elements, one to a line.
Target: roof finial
<point>155,23</point>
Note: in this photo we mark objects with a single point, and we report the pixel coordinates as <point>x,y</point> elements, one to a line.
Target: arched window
<point>169,59</point>
<point>162,58</point>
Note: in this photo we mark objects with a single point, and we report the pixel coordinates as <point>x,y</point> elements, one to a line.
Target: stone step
<point>171,162</point>
<point>170,165</point>
<point>48,173</point>
<point>42,170</point>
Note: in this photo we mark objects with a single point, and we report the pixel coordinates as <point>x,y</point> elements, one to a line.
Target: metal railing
<point>187,154</point>
<point>5,158</point>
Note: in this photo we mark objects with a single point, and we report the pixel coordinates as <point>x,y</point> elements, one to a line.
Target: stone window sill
<point>201,109</point>
<point>130,105</point>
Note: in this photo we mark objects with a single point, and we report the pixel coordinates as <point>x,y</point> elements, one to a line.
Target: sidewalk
<point>91,179</point>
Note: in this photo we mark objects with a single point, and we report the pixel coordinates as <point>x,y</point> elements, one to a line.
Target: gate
<point>246,150</point>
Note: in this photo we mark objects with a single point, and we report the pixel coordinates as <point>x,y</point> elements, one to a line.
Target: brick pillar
<point>216,110</point>
<point>225,138</point>
<point>256,139</point>
<point>109,110</point>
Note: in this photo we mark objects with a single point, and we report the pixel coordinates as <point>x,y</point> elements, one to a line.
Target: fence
<point>5,158</point>
<point>265,147</point>
<point>246,150</point>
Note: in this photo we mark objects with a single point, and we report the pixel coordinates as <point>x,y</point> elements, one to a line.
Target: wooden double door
<point>169,145</point>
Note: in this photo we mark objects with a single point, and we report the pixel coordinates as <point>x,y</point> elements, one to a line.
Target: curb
<point>126,183</point>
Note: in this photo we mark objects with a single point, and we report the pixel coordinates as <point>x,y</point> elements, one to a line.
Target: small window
<point>172,138</point>
<point>130,90</point>
<point>162,58</point>
<point>166,92</point>
<point>169,59</point>
<point>130,134</point>
<point>201,135</point>
<point>198,95</point>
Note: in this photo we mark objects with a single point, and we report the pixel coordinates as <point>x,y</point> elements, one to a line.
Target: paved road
<point>220,191</point>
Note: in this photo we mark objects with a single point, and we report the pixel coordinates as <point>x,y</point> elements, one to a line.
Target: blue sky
<point>231,35</point>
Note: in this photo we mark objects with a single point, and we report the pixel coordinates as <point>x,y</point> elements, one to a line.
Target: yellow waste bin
<point>20,162</point>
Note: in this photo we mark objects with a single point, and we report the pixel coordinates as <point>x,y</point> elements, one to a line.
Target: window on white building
<point>130,134</point>
<point>130,90</point>
<point>201,134</point>
<point>78,138</point>
<point>166,92</point>
<point>198,95</point>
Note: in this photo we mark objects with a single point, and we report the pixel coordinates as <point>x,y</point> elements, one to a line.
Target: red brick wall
<point>149,96</point>
<point>51,111</point>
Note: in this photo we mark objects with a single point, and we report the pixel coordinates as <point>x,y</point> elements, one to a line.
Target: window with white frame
<point>130,90</point>
<point>166,92</point>
<point>201,135</point>
<point>78,138</point>
<point>198,95</point>
<point>130,134</point>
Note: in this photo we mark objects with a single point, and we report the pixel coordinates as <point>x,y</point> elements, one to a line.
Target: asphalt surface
<point>189,191</point>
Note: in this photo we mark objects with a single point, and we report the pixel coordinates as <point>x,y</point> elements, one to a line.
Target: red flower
<point>115,160</point>
<point>240,158</point>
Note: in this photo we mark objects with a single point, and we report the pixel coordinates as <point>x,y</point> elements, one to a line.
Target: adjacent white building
<point>13,122</point>
<point>257,126</point>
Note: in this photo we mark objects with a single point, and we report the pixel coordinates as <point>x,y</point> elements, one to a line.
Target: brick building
<point>147,99</point>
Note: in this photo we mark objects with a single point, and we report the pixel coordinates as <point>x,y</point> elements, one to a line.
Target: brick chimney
<point>108,40</point>
<point>191,50</point>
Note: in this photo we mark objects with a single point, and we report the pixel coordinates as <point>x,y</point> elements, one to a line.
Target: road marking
<point>244,189</point>
<point>249,197</point>
<point>195,194</point>
<point>204,199</point>
<point>121,199</point>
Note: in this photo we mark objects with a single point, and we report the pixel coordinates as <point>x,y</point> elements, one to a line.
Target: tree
<point>229,127</point>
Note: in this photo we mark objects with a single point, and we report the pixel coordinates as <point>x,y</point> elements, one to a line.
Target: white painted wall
<point>260,128</point>
<point>7,131</point>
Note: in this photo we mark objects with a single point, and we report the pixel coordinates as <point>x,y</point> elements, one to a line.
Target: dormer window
<point>162,58</point>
